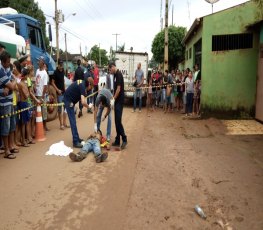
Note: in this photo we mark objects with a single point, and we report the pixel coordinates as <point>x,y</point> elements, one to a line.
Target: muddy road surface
<point>170,165</point>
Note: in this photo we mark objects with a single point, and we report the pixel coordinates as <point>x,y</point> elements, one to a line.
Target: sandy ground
<point>170,165</point>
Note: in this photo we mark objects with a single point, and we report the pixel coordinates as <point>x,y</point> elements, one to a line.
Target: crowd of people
<point>22,88</point>
<point>177,90</point>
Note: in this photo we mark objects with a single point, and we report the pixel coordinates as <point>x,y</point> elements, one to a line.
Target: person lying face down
<point>92,144</point>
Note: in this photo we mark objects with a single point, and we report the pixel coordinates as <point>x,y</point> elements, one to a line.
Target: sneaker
<point>140,111</point>
<point>102,157</point>
<point>76,157</point>
<point>77,145</point>
<point>133,111</point>
<point>123,145</point>
<point>114,144</point>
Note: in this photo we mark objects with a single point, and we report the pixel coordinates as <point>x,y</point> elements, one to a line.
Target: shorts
<point>60,100</point>
<point>168,99</point>
<point>24,115</point>
<point>17,115</point>
<point>7,124</point>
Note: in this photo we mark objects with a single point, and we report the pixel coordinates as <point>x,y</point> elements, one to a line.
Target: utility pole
<point>57,32</point>
<point>66,50</point>
<point>173,15</point>
<point>166,37</point>
<point>99,56</point>
<point>116,40</point>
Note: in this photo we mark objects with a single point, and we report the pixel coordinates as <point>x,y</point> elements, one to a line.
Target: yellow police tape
<point>62,103</point>
<point>43,104</point>
<point>16,112</point>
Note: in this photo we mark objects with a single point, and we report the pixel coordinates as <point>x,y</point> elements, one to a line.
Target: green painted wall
<point>229,77</point>
<point>190,44</point>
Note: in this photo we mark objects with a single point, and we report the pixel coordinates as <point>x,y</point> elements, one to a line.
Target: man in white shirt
<point>41,86</point>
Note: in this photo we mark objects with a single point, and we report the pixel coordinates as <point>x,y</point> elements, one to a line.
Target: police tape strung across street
<point>132,88</point>
<point>61,104</point>
<point>43,104</point>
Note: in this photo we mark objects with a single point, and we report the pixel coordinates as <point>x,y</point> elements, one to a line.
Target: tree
<point>176,49</point>
<point>96,54</point>
<point>28,7</point>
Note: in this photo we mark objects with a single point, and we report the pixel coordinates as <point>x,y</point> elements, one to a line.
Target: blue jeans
<point>99,114</point>
<point>92,144</point>
<point>89,99</point>
<point>163,96</point>
<point>7,124</point>
<point>189,102</point>
<point>118,108</point>
<point>72,120</point>
<point>60,100</point>
<point>137,92</point>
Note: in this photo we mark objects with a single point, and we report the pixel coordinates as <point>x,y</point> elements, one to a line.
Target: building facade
<point>227,51</point>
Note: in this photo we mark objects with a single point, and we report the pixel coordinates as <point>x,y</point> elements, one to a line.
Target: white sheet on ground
<point>59,149</point>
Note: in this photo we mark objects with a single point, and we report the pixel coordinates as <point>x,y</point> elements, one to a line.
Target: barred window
<point>232,42</point>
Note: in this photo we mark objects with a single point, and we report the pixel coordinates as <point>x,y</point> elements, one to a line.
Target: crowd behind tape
<point>91,95</point>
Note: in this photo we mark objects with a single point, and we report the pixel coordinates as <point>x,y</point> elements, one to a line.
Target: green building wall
<point>190,62</point>
<point>229,77</point>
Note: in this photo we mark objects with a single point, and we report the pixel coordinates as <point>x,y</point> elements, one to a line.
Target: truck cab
<point>29,28</point>
<point>22,34</point>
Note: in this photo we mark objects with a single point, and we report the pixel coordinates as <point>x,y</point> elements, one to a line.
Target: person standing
<point>76,92</point>
<point>79,75</point>
<point>42,88</point>
<point>103,101</point>
<point>117,102</point>
<point>189,87</point>
<point>139,79</point>
<point>88,74</point>
<point>7,124</point>
<point>58,83</point>
<point>96,80</point>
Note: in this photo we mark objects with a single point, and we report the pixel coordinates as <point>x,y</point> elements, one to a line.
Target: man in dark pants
<point>76,92</point>
<point>117,102</point>
<point>79,75</point>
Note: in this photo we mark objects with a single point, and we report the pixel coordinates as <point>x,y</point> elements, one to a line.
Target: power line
<point>95,9</point>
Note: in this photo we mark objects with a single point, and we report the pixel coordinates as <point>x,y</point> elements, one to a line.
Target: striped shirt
<point>5,78</point>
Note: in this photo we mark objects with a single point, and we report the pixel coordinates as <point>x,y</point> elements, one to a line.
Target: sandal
<point>10,156</point>
<point>31,142</point>
<point>14,150</point>
<point>25,145</point>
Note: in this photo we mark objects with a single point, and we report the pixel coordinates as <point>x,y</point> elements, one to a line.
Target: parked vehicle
<point>127,62</point>
<point>22,34</point>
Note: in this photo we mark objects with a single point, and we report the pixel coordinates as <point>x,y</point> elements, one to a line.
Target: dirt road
<point>170,165</point>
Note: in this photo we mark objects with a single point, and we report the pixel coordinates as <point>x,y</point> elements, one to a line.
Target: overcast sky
<point>137,21</point>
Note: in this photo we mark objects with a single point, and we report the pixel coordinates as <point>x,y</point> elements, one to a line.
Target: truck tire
<point>52,111</point>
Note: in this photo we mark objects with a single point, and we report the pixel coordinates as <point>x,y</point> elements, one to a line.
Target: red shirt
<point>96,76</point>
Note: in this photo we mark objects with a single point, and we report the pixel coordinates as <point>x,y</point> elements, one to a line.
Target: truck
<point>127,63</point>
<point>21,35</point>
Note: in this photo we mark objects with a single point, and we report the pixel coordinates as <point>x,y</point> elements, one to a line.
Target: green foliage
<point>175,47</point>
<point>96,54</point>
<point>28,7</point>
